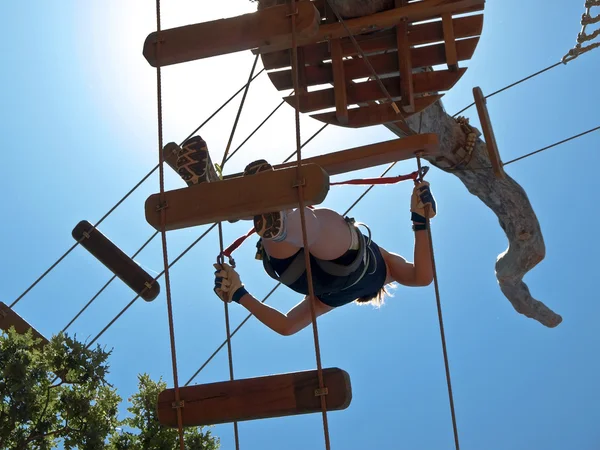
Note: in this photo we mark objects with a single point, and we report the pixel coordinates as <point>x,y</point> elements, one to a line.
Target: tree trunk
<point>506,198</point>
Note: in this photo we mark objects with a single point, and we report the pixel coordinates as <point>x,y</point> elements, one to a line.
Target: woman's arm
<point>285,324</point>
<point>419,273</point>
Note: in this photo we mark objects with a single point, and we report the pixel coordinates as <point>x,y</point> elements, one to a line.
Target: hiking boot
<point>270,225</point>
<point>192,163</point>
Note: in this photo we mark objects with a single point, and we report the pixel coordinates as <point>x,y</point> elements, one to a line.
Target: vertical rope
<point>300,187</point>
<point>163,212</point>
<point>441,320</point>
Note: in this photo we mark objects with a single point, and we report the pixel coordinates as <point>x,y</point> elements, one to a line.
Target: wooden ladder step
<point>488,133</point>
<point>218,37</point>
<point>383,64</point>
<point>9,318</point>
<point>119,263</point>
<point>377,114</point>
<point>238,197</point>
<point>424,82</point>
<point>419,34</point>
<point>255,398</point>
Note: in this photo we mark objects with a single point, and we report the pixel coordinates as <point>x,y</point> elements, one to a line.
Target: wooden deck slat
<point>115,260</point>
<point>374,115</point>
<point>488,133</point>
<point>419,34</point>
<point>424,82</point>
<point>237,198</point>
<point>219,37</point>
<point>255,398</point>
<point>427,9</point>
<point>384,64</point>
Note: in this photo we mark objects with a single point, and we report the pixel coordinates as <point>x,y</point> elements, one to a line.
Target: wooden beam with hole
<point>376,114</point>
<point>450,42</point>
<point>9,318</point>
<point>407,100</point>
<point>418,11</point>
<point>488,133</point>
<point>368,91</point>
<point>384,64</point>
<point>418,34</point>
<point>270,26</point>
<point>339,83</point>
<point>237,198</point>
<point>265,397</point>
<point>115,260</point>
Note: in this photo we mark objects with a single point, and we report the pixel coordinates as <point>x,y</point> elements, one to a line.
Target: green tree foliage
<point>150,434</point>
<point>57,394</point>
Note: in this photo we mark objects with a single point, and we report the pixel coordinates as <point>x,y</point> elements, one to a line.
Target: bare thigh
<point>327,232</point>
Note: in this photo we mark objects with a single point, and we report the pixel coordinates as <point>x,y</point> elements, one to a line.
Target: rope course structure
<point>371,68</point>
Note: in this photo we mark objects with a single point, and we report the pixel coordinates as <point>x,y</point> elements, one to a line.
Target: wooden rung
<point>339,82</point>
<point>417,11</point>
<point>237,198</point>
<point>9,318</point>
<point>218,37</point>
<point>383,64</point>
<point>488,133</point>
<point>378,114</point>
<point>266,397</point>
<point>374,154</point>
<point>423,82</point>
<point>419,34</point>
<point>125,268</point>
<point>450,42</point>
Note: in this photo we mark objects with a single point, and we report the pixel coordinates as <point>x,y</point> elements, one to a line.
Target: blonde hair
<point>378,298</point>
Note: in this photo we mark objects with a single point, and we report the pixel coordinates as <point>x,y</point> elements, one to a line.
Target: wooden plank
<point>9,318</point>
<point>265,397</point>
<point>379,114</point>
<point>339,83</point>
<point>406,76</point>
<point>384,64</point>
<point>449,42</point>
<point>419,11</point>
<point>368,91</point>
<point>218,37</point>
<point>119,263</point>
<point>488,133</point>
<point>418,34</point>
<point>374,154</point>
<point>237,198</point>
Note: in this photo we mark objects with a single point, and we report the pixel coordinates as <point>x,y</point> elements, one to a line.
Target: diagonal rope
<point>300,187</point>
<point>61,258</point>
<point>163,218</point>
<point>441,321</point>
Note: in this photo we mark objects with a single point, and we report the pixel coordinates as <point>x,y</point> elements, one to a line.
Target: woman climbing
<point>347,266</point>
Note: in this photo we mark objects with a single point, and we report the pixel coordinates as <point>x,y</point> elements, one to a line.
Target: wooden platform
<point>9,318</point>
<point>238,197</point>
<point>271,26</point>
<point>338,87</point>
<point>119,263</point>
<point>488,133</point>
<point>255,398</point>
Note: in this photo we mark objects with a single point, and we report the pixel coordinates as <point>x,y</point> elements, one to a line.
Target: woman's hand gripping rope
<point>228,285</point>
<point>422,204</point>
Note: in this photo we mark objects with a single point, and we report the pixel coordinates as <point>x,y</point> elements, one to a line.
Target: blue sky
<point>79,129</point>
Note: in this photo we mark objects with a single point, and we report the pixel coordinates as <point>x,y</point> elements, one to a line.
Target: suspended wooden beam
<point>488,133</point>
<point>383,64</point>
<point>237,198</point>
<point>450,42</point>
<point>9,318</point>
<point>407,95</point>
<point>418,34</point>
<point>255,398</point>
<point>374,114</point>
<point>270,26</point>
<point>417,11</point>
<point>367,91</point>
<point>119,263</point>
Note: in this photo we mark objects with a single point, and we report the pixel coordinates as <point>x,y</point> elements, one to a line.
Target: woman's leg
<point>328,234</point>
